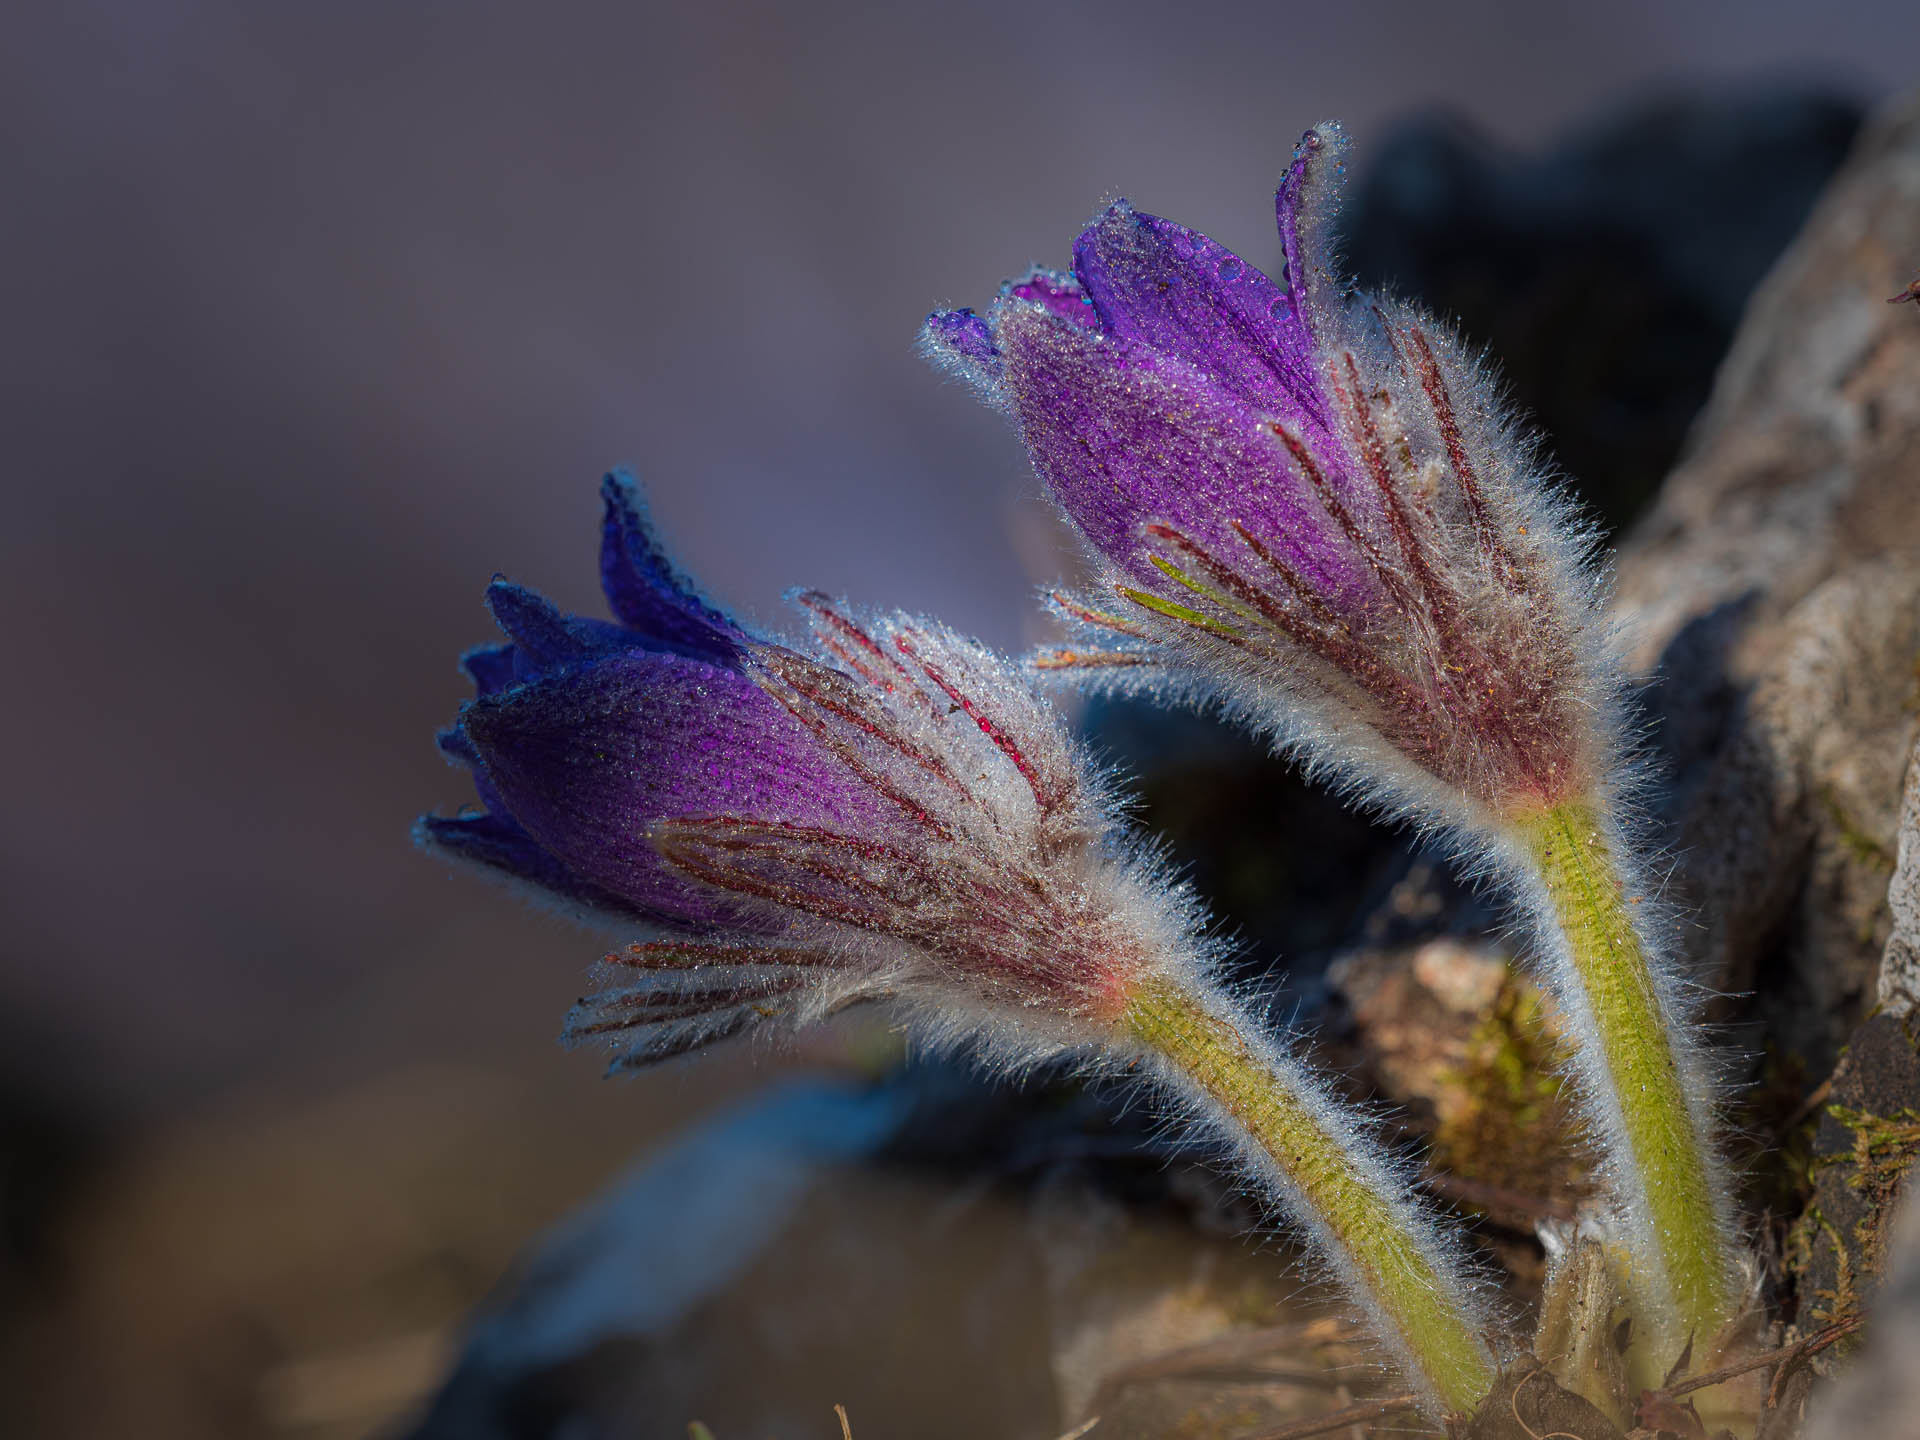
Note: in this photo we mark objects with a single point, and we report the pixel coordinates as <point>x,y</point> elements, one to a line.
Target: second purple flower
<point>1301,503</point>
<point>1312,507</point>
<point>896,813</point>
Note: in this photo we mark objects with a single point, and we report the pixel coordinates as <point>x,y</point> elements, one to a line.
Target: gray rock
<point>1774,591</point>
<point>1787,839</point>
<point>1861,1150</point>
<point>1805,457</point>
<point>1880,1395</point>
<point>1900,962</point>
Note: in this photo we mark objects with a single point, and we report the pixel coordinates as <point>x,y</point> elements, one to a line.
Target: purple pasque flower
<point>890,810</point>
<point>887,810</point>
<point>1303,502</point>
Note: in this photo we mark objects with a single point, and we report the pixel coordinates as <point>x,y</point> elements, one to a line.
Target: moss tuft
<point>1513,1128</point>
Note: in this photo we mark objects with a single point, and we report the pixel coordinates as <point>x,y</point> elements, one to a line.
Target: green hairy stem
<point>1682,1276</point>
<point>1375,1232</point>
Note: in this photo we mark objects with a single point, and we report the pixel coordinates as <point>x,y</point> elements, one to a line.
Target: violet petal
<point>1125,435</point>
<point>1174,289</point>
<point>588,759</point>
<point>961,343</point>
<point>644,590</point>
<point>965,335</point>
<point>491,667</point>
<point>1062,295</point>
<point>1305,208</point>
<point>543,638</point>
<point>458,749</point>
<point>497,843</point>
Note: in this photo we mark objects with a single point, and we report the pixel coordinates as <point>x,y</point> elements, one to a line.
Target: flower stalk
<point>1682,1265</point>
<point>1375,1239</point>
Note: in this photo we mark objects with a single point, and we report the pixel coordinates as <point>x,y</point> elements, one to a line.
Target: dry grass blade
<point>846,1430</point>
<point>1360,1414</point>
<point>1786,1357</point>
<point>1806,1350</point>
<point>1229,1357</point>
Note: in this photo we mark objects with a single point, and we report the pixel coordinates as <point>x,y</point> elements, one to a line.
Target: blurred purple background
<point>318,315</point>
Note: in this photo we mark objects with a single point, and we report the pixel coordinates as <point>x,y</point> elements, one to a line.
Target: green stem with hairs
<point>1683,1279</point>
<point>1374,1230</point>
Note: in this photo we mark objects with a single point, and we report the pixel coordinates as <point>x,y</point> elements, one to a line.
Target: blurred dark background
<point>319,315</point>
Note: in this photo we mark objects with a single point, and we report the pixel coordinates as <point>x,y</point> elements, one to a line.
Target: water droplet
<point>1280,308</point>
<point>1229,268</point>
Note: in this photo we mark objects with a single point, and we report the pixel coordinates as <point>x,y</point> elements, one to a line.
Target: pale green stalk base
<point>1691,1293</point>
<point>1401,1286</point>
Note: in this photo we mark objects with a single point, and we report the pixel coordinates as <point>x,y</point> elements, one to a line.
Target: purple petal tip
<point>1061,296</point>
<point>964,332</point>
<point>490,667</point>
<point>534,626</point>
<point>650,598</point>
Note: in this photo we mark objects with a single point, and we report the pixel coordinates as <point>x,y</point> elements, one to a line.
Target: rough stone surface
<point>1774,591</point>
<point>1900,962</point>
<point>1880,1394</point>
<point>1412,1012</point>
<point>1775,587</point>
<point>1159,1336</point>
<point>1867,1138</point>
<point>1787,831</point>
<point>1803,460</point>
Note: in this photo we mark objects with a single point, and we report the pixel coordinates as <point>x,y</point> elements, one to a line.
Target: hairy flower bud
<point>892,812</point>
<point>1301,505</point>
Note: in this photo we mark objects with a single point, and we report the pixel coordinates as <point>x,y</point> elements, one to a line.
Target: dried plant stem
<point>1682,1262</point>
<point>1377,1236</point>
<point>1340,1419</point>
<point>1237,1350</point>
<point>1783,1359</point>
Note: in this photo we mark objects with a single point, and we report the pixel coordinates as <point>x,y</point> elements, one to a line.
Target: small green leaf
<point>1180,612</point>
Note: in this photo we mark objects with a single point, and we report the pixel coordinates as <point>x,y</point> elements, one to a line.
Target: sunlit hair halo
<point>1304,505</point>
<point>892,812</point>
<point>1310,507</point>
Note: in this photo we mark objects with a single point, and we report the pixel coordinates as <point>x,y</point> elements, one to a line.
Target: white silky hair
<point>1311,718</point>
<point>1080,842</point>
